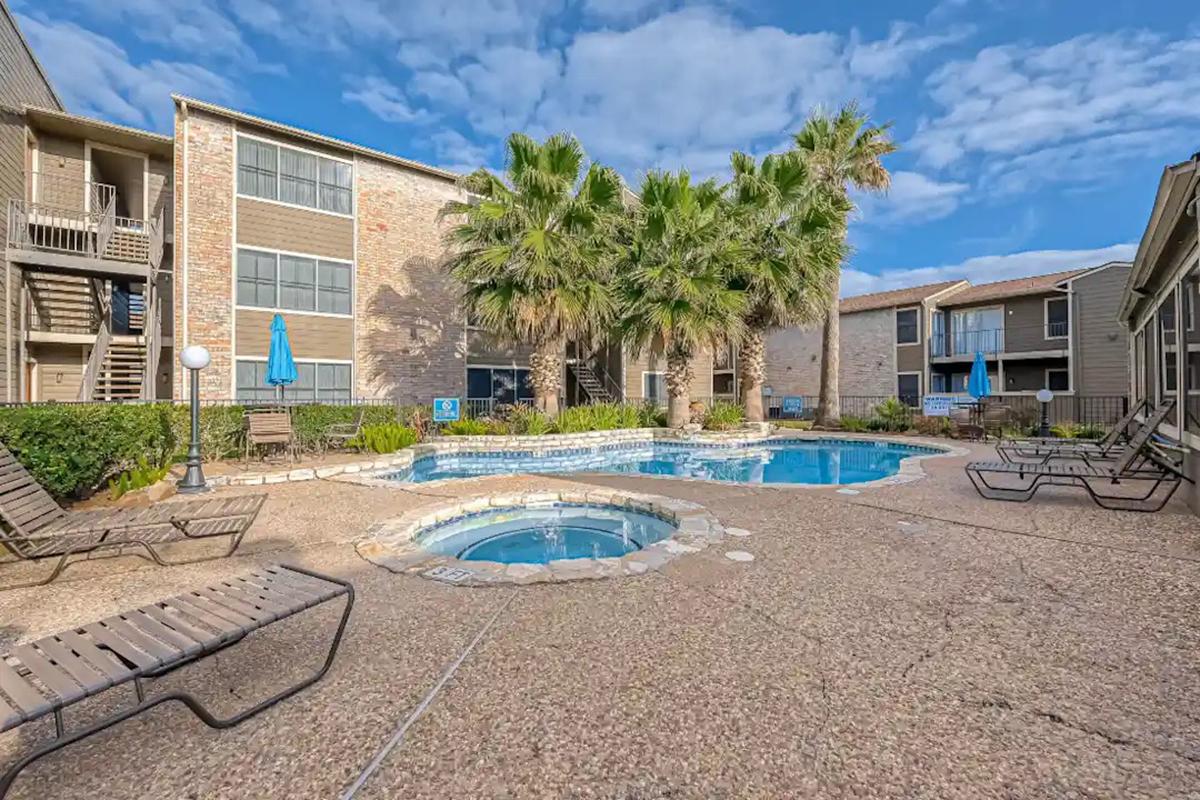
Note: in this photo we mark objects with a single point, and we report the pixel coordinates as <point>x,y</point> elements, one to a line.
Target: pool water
<point>820,461</point>
<point>539,535</point>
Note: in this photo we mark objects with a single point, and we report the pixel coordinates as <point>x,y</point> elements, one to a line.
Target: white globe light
<point>195,357</point>
<point>1045,395</point>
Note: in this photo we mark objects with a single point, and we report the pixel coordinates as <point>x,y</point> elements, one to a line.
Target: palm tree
<point>843,150</point>
<point>674,278</point>
<point>790,248</point>
<point>532,251</point>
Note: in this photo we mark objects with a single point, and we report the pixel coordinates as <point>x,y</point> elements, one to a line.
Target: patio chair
<point>1141,463</point>
<point>36,528</point>
<point>42,678</point>
<point>1037,449</point>
<point>271,428</point>
<point>342,433</point>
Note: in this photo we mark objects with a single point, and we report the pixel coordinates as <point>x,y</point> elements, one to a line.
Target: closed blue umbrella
<point>978,385</point>
<point>281,367</point>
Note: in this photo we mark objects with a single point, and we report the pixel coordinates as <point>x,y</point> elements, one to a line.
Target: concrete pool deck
<point>911,640</point>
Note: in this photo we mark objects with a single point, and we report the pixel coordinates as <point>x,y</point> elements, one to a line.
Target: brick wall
<point>868,357</point>
<point>208,239</point>
<point>410,334</point>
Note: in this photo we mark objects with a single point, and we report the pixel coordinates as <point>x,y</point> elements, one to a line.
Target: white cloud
<point>622,10</point>
<point>1018,99</point>
<point>95,77</point>
<point>891,57</point>
<point>913,197</point>
<point>383,100</point>
<point>984,269</point>
<point>457,153</point>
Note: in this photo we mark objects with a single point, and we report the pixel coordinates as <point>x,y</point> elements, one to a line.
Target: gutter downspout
<point>183,107</point>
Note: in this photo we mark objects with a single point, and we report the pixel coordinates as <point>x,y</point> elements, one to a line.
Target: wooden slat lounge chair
<point>270,428</point>
<point>341,434</point>
<point>1141,463</point>
<point>41,678</point>
<point>37,528</point>
<point>1040,450</point>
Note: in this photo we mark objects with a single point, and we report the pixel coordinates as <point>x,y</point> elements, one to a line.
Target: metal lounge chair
<point>1141,463</point>
<point>341,434</point>
<point>1041,450</point>
<point>41,678</point>
<point>36,528</point>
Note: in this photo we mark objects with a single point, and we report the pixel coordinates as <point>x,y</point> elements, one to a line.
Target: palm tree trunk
<point>752,359</point>
<point>679,384</point>
<point>828,405</point>
<point>545,373</point>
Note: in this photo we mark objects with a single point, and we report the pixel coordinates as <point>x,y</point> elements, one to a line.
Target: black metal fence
<point>1021,410</point>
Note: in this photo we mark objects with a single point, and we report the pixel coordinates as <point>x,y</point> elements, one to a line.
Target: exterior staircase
<point>127,245</point>
<point>120,374</point>
<point>61,303</point>
<point>587,379</point>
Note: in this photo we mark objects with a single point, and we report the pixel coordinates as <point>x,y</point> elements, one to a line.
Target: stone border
<point>393,546</point>
<point>375,471</point>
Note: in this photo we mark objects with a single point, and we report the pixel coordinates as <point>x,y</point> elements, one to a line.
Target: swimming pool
<point>541,534</point>
<point>796,461</point>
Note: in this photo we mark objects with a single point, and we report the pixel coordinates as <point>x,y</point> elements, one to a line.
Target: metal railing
<point>992,341</point>
<point>1022,410</point>
<point>70,193</point>
<point>91,373</point>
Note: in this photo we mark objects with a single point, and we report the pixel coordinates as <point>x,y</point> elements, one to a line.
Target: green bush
<point>893,415</point>
<point>466,427</point>
<point>1065,430</point>
<point>651,415</point>
<point>853,424</point>
<point>141,476</point>
<point>933,426</point>
<point>1091,430</point>
<point>387,437</point>
<point>525,420</point>
<point>723,416</point>
<point>310,423</point>
<point>598,417</point>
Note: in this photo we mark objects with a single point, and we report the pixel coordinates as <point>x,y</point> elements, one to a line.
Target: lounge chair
<point>36,528</point>
<point>341,434</point>
<point>1141,463</point>
<point>1040,449</point>
<point>270,427</point>
<point>41,678</point>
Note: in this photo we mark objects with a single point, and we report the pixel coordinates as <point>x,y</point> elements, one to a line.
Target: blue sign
<point>793,406</point>
<point>936,405</point>
<point>445,409</point>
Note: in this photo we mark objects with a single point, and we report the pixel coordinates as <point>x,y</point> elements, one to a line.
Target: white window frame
<point>1046,317</point>
<point>956,315</point>
<point>513,368</point>
<point>896,324</point>
<point>648,373</point>
<point>316,288</point>
<point>1046,378</point>
<point>731,371</point>
<point>276,143</point>
<point>314,361</point>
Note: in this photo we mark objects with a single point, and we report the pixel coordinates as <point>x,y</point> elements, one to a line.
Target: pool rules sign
<point>445,409</point>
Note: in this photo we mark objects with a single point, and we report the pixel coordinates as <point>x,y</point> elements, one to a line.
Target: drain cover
<point>448,574</point>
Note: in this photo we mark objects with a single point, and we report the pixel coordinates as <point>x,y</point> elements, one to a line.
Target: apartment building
<point>1058,331</point>
<point>87,250</point>
<point>1160,303</point>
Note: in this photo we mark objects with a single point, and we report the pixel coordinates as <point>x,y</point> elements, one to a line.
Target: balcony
<point>1000,341</point>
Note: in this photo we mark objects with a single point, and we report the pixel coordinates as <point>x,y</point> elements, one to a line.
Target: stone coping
<point>380,467</point>
<point>393,544</point>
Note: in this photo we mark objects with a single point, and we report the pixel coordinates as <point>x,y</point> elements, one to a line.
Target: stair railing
<point>106,221</point>
<point>150,332</point>
<point>91,373</point>
<point>156,244</point>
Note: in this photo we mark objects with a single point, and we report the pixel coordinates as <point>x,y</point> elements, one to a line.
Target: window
<point>1191,379</point>
<point>1139,375</point>
<point>654,387</point>
<point>256,279</point>
<point>294,283</point>
<point>908,388</point>
<point>938,383</point>
<point>1058,380</point>
<point>908,329</point>
<point>333,281</point>
<point>724,377</point>
<point>978,330</point>
<point>297,283</point>
<point>297,178</point>
<point>257,175</point>
<point>278,172</point>
<point>502,384</point>
<point>1056,318</point>
<point>1168,348</point>
<point>723,384</point>
<point>315,381</point>
<point>937,341</point>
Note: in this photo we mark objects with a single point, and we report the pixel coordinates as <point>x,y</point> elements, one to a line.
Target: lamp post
<point>194,358</point>
<point>1044,397</point>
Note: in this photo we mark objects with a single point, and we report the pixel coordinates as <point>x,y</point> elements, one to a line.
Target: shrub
<point>696,412</point>
<point>933,426</point>
<point>853,424</point>
<point>528,421</point>
<point>417,417</point>
<point>310,423</point>
<point>598,417</point>
<point>893,415</point>
<point>1065,430</point>
<point>385,438</point>
<point>466,427</point>
<point>650,415</point>
<point>723,415</point>
<point>1091,430</point>
<point>141,476</point>
<point>794,424</point>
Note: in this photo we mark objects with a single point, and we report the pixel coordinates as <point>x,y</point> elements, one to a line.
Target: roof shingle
<point>998,290</point>
<point>908,296</point>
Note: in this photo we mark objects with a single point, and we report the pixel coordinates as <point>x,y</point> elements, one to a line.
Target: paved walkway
<point>907,641</point>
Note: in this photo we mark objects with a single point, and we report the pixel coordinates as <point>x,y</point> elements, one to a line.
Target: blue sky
<point>1033,132</point>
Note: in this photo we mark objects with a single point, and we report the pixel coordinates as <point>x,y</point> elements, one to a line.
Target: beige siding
<point>1101,346</point>
<point>159,197</point>
<point>59,371</point>
<point>484,348</point>
<point>60,167</point>
<point>279,227</point>
<point>311,337</point>
<point>651,359</point>
<point>21,81</point>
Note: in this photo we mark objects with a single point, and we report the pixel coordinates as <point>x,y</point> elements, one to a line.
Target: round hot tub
<point>540,534</point>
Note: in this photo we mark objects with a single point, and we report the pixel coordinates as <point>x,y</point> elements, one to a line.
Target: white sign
<point>937,406</point>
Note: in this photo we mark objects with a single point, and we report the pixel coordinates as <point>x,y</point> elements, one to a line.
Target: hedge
<point>73,449</point>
